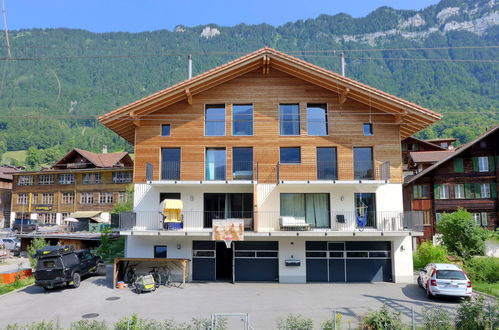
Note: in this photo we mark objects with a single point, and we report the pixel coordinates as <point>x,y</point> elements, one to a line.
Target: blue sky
<point>147,15</point>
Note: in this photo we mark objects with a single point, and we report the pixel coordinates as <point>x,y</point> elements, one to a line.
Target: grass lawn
<point>489,288</point>
<point>5,288</point>
<point>19,155</point>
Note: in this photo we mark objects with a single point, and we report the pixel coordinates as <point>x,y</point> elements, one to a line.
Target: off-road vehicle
<point>62,265</point>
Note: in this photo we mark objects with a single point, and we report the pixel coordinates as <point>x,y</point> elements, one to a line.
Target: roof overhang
<point>411,117</point>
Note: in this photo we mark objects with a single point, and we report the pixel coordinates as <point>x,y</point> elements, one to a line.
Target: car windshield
<point>450,275</point>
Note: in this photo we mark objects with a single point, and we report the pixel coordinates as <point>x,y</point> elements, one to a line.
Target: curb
<point>486,295</point>
<point>16,290</point>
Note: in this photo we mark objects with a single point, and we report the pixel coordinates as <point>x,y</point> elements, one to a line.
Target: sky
<point>148,15</point>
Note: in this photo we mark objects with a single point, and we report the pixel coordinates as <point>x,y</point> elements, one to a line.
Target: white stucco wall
<point>402,260</point>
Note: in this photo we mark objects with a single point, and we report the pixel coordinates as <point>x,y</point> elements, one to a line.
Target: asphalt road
<point>265,302</point>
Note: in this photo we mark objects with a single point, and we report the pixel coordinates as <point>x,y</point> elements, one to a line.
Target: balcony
<point>268,222</point>
<point>249,172</point>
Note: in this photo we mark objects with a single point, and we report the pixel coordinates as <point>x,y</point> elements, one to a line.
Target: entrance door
<point>224,262</point>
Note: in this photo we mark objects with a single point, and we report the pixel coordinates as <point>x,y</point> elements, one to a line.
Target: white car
<point>444,280</point>
<point>10,243</point>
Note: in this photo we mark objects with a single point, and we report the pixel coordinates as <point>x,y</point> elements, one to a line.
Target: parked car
<point>444,280</point>
<point>24,225</point>
<point>11,243</point>
<point>62,265</point>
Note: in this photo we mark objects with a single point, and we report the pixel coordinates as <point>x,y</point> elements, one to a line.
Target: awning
<point>85,214</point>
<point>173,204</point>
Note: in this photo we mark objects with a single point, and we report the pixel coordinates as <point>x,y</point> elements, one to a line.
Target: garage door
<point>203,261</point>
<point>348,261</point>
<point>256,261</point>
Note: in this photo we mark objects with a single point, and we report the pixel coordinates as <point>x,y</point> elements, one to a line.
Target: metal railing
<point>269,221</point>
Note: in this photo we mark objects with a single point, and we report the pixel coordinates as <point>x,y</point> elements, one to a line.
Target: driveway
<point>265,302</point>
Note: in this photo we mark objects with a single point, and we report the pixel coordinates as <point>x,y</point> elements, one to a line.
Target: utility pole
<point>6,29</point>
<point>342,63</point>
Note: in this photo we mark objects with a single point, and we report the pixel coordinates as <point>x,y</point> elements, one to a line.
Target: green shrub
<point>89,325</point>
<point>436,319</point>
<point>382,319</point>
<point>43,325</point>
<point>36,244</point>
<point>475,314</point>
<point>137,323</point>
<point>483,269</point>
<point>295,322</point>
<point>427,253</point>
<point>329,324</point>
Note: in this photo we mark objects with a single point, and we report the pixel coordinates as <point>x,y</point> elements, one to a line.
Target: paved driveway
<point>264,302</point>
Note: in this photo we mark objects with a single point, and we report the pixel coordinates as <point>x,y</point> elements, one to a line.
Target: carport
<point>121,265</point>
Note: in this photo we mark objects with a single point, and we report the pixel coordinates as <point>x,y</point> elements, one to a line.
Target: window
<point>289,119</point>
<point>317,119</point>
<point>214,120</point>
<point>368,129</point>
<point>458,165</point>
<point>25,180</point>
<point>106,198</point>
<point>441,191</point>
<point>165,130</point>
<point>170,164</point>
<point>46,179</point>
<point>122,196</point>
<point>47,218</point>
<point>122,177</point>
<point>485,190</point>
<point>290,155</point>
<point>86,198</point>
<point>327,168</point>
<point>438,217</point>
<point>421,191</point>
<point>215,164</point>
<point>66,178</point>
<point>34,199</point>
<point>242,163</point>
<point>91,178</point>
<point>477,218</point>
<point>483,218</point>
<point>48,198</point>
<point>23,198</point>
<point>426,218</point>
<point>483,164</point>
<point>365,206</point>
<point>363,163</point>
<point>160,251</point>
<point>242,119</point>
<point>68,198</point>
<point>459,191</point>
<point>314,208</point>
<point>412,147</point>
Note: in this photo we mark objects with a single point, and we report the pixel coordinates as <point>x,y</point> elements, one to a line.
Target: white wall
<point>402,266</point>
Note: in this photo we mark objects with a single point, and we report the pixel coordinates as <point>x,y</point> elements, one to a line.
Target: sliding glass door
<point>170,164</point>
<point>327,168</point>
<point>313,207</point>
<point>227,206</point>
<point>215,163</point>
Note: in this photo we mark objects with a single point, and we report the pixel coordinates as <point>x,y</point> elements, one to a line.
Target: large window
<point>317,119</point>
<point>242,119</point>
<point>122,177</point>
<point>215,120</point>
<point>441,191</point>
<point>365,206</point>
<point>106,198</point>
<point>483,164</point>
<point>485,190</point>
<point>327,163</point>
<point>215,163</point>
<point>170,164</point>
<point>227,206</point>
<point>459,191</point>
<point>86,198</point>
<point>22,198</point>
<point>363,163</point>
<point>289,119</point>
<point>66,178</point>
<point>48,198</point>
<point>480,218</point>
<point>242,163</point>
<point>46,179</point>
<point>421,191</point>
<point>314,208</point>
<point>91,178</point>
<point>290,155</point>
<point>25,180</point>
<point>68,198</point>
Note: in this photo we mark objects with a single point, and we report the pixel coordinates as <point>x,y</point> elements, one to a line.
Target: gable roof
<point>412,117</point>
<point>430,144</point>
<point>98,160</point>
<point>451,155</point>
<point>429,156</point>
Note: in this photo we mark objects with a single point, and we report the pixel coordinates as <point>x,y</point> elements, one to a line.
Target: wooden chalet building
<point>308,160</point>
<point>467,177</point>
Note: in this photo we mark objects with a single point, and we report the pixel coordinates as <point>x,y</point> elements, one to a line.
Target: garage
<point>250,261</point>
<point>361,261</point>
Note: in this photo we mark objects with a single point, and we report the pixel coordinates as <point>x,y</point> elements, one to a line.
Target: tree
<point>127,204</point>
<point>36,244</point>
<point>34,158</point>
<point>461,235</point>
<point>110,247</point>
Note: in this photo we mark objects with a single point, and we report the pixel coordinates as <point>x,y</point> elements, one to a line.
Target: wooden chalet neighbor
<point>80,181</point>
<point>468,177</point>
<point>265,79</point>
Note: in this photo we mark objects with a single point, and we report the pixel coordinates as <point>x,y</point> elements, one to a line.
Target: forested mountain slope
<point>59,80</point>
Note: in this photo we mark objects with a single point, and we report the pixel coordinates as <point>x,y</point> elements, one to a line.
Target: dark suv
<point>62,265</point>
<point>24,225</point>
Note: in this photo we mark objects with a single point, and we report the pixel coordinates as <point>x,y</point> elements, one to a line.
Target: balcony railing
<point>271,173</point>
<point>338,221</point>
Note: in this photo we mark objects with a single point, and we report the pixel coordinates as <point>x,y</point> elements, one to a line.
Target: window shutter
<point>458,165</point>
<point>415,191</point>
<point>475,164</point>
<point>436,191</point>
<point>403,147</point>
<point>492,166</point>
<point>477,190</point>
<point>484,219</point>
<point>493,190</point>
<point>416,147</point>
<point>467,190</point>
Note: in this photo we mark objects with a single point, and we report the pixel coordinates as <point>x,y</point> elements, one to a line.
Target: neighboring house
<point>467,177</point>
<point>82,185</point>
<point>296,152</point>
<point>414,145</point>
<point>6,193</point>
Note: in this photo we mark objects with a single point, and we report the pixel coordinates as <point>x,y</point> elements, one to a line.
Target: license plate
<point>452,286</point>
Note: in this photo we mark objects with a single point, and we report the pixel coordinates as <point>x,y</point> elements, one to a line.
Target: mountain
<point>51,101</point>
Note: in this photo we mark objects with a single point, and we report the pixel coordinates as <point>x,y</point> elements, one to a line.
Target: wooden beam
<point>343,95</point>
<point>189,96</point>
<point>136,121</point>
<point>267,66</point>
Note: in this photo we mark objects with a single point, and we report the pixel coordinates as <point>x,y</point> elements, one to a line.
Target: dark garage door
<point>256,261</point>
<point>203,261</point>
<point>348,261</point>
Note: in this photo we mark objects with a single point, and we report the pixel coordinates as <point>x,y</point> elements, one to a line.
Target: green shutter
<point>492,166</point>
<point>467,191</point>
<point>436,191</point>
<point>415,191</point>
<point>484,219</point>
<point>475,164</point>
<point>416,147</point>
<point>458,165</point>
<point>403,146</point>
<point>477,190</point>
<point>493,190</point>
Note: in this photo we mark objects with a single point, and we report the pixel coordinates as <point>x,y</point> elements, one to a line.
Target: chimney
<point>190,66</point>
<point>104,149</point>
<point>342,63</point>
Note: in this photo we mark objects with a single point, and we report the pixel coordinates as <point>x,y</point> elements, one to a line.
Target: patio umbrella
<point>71,220</point>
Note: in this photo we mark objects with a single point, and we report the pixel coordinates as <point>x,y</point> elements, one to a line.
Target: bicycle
<point>158,275</point>
<point>130,274</point>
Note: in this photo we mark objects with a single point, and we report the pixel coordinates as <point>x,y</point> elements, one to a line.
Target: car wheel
<point>75,280</point>
<point>420,283</point>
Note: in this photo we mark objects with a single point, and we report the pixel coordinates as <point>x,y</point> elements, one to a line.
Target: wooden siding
<point>266,92</point>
